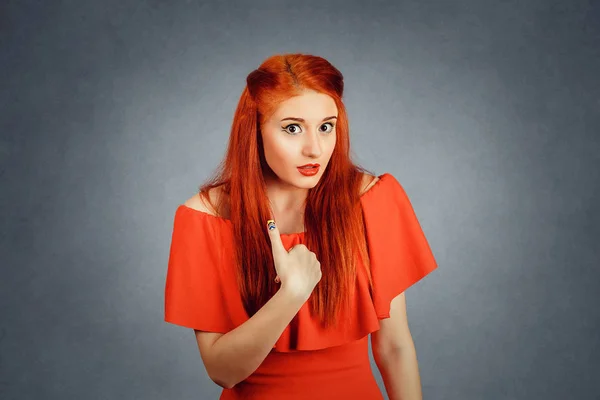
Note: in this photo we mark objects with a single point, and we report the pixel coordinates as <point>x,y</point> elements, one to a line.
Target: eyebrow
<point>302,120</point>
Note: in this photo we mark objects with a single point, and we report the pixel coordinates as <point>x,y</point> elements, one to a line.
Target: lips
<point>309,166</point>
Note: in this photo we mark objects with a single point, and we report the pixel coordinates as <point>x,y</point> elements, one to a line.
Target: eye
<point>292,133</point>
<point>330,124</point>
<point>295,131</point>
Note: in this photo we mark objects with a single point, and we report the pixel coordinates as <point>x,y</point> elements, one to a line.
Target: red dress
<point>306,362</point>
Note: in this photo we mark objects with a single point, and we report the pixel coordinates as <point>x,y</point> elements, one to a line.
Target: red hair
<point>333,220</point>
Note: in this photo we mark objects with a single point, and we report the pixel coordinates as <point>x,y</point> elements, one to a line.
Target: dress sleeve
<point>398,250</point>
<point>195,294</point>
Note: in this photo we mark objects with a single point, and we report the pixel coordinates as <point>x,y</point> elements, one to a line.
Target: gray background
<point>114,112</point>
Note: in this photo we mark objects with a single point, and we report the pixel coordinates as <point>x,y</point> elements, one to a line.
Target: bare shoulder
<point>199,203</point>
<point>368,181</point>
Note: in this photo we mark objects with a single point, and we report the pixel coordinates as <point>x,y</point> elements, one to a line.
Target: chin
<point>305,182</point>
<point>308,182</point>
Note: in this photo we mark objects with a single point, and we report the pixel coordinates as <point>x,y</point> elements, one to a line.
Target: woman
<point>289,257</point>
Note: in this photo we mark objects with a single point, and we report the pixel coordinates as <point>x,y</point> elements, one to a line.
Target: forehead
<point>308,105</point>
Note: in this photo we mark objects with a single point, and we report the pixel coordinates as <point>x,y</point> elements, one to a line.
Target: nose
<point>312,144</point>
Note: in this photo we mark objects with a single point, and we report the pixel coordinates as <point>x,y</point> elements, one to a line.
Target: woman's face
<point>301,131</point>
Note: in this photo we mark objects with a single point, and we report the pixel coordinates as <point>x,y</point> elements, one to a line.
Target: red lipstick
<point>309,169</point>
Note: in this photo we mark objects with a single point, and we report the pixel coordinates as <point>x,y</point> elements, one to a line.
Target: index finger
<point>278,248</point>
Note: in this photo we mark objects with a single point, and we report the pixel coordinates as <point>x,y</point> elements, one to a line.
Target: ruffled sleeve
<point>398,250</point>
<point>199,288</point>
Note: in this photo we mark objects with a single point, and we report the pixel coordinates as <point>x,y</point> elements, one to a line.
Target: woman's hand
<point>298,269</point>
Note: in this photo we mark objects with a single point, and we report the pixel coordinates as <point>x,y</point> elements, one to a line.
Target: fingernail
<point>271,224</point>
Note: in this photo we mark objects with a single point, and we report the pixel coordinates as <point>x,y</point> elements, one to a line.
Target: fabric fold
<point>399,253</point>
<point>200,290</point>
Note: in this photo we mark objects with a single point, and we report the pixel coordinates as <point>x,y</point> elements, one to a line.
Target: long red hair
<point>333,220</point>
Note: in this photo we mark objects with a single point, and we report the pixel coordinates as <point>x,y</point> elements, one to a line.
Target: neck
<point>285,198</point>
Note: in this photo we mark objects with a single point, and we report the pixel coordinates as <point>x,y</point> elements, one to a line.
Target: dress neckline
<point>227,221</point>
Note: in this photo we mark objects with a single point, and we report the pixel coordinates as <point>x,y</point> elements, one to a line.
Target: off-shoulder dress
<point>306,362</point>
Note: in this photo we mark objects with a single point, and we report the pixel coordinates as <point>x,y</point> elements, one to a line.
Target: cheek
<point>277,149</point>
<point>284,152</point>
<point>330,146</point>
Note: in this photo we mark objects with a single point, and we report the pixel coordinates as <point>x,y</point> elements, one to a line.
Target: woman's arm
<point>231,357</point>
<point>400,373</point>
<point>395,355</point>
<point>235,355</point>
